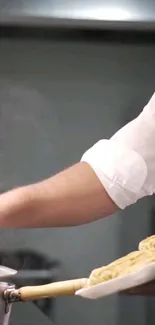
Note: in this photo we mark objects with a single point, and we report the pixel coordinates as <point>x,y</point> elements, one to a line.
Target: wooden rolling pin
<point>57,289</point>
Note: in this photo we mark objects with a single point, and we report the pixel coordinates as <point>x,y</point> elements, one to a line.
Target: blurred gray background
<point>58,96</point>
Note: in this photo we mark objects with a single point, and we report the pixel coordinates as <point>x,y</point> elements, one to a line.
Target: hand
<point>147,289</point>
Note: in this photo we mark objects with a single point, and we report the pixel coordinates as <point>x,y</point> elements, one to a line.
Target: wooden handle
<point>57,289</point>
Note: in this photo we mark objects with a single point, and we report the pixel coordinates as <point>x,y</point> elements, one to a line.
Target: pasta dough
<point>127,264</point>
<point>147,244</point>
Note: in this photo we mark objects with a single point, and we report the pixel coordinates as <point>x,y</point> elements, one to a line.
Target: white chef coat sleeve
<point>121,170</point>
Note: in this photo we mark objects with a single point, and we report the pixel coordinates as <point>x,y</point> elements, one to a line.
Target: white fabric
<point>125,164</point>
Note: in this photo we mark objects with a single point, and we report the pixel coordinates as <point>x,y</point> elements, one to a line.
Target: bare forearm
<point>72,197</point>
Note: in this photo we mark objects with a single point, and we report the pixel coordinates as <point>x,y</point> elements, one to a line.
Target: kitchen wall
<point>57,98</point>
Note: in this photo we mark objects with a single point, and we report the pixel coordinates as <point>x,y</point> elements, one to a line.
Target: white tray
<point>144,275</point>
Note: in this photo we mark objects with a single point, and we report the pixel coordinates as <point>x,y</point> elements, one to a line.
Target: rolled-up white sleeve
<point>121,170</point>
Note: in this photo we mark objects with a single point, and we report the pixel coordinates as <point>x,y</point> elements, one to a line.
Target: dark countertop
<point>28,314</point>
